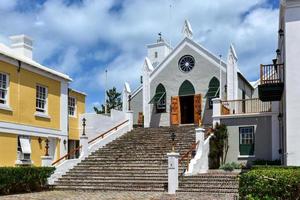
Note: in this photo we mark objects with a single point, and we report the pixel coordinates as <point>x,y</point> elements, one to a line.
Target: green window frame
<point>213,91</point>
<point>159,99</point>
<point>247,140</point>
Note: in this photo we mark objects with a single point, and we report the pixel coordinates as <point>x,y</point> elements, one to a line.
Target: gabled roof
<point>10,53</point>
<point>197,46</point>
<point>136,91</point>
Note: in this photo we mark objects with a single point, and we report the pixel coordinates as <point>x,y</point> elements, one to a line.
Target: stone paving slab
<point>110,195</point>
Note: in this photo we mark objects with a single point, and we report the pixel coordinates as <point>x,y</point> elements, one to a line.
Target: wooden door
<point>197,108</point>
<point>141,119</point>
<point>175,110</point>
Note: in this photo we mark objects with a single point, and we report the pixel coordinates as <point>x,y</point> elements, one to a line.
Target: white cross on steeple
<point>187,29</point>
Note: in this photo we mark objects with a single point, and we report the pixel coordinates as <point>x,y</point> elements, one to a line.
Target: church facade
<point>178,84</point>
<point>189,85</point>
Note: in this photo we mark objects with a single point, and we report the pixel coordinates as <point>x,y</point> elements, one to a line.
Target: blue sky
<point>84,37</point>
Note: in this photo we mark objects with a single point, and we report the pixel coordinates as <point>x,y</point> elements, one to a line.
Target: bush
<point>266,162</point>
<point>231,166</point>
<point>23,179</point>
<point>270,183</point>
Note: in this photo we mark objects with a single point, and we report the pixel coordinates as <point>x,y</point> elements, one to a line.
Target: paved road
<point>72,195</point>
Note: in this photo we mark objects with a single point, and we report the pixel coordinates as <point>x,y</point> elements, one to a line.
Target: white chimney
<point>22,44</point>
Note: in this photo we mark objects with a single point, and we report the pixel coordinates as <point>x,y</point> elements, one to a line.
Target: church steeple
<point>158,51</point>
<point>187,29</point>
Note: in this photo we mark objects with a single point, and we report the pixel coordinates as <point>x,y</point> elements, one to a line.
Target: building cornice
<point>22,129</point>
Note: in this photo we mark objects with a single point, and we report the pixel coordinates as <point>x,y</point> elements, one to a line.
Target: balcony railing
<point>272,73</point>
<point>245,106</point>
<point>271,82</point>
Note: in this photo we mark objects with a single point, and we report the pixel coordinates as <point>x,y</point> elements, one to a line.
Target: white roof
<point>77,91</point>
<point>10,53</point>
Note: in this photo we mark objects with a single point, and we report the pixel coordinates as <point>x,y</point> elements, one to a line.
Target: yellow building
<point>76,102</point>
<point>33,107</point>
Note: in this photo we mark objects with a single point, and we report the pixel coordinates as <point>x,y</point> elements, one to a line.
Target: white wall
<point>99,123</point>
<point>292,81</point>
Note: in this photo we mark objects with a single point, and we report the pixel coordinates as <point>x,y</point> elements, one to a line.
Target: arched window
<point>186,89</point>
<point>213,90</point>
<point>159,99</point>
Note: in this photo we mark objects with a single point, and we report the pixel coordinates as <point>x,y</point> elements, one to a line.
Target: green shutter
<point>247,149</point>
<point>213,88</point>
<point>160,93</point>
<point>157,97</point>
<point>186,89</point>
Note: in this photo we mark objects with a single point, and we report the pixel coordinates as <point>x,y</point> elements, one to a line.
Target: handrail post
<point>172,172</point>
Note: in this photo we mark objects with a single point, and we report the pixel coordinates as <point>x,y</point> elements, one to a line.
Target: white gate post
<point>172,172</point>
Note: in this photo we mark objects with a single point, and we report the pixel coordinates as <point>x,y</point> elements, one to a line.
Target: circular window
<point>186,63</point>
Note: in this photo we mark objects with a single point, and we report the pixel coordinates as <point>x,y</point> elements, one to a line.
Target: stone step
<point>108,188</point>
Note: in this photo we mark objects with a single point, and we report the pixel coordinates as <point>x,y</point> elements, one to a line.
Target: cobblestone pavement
<point>70,195</point>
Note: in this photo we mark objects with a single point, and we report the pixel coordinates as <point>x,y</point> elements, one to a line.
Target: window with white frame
<point>247,140</point>
<point>72,106</point>
<point>41,99</point>
<point>3,88</point>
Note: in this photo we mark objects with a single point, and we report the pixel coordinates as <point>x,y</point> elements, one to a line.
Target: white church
<point>187,84</point>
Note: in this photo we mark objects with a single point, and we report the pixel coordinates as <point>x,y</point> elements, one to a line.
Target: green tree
<point>218,147</point>
<point>113,101</point>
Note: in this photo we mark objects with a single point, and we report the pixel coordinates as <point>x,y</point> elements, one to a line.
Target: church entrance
<point>187,109</point>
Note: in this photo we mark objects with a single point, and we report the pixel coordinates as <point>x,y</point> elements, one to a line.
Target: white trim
<point>45,109</point>
<point>246,156</point>
<point>64,116</point>
<point>254,140</point>
<point>14,61</point>
<point>196,47</point>
<point>7,89</point>
<point>6,51</point>
<point>77,91</point>
<point>75,107</point>
<point>5,107</point>
<point>21,129</point>
<point>42,115</point>
<point>136,91</point>
<point>246,115</point>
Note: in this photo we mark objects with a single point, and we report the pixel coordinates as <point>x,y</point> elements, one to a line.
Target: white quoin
<point>172,172</point>
<point>126,96</point>
<point>147,69</point>
<point>232,76</point>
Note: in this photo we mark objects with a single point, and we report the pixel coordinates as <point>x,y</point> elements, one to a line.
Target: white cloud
<point>90,37</point>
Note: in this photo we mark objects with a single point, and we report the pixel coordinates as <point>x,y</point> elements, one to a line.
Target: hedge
<point>266,183</point>
<point>23,179</point>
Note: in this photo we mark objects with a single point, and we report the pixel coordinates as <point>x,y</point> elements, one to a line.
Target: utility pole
<point>105,97</point>
<point>220,96</point>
